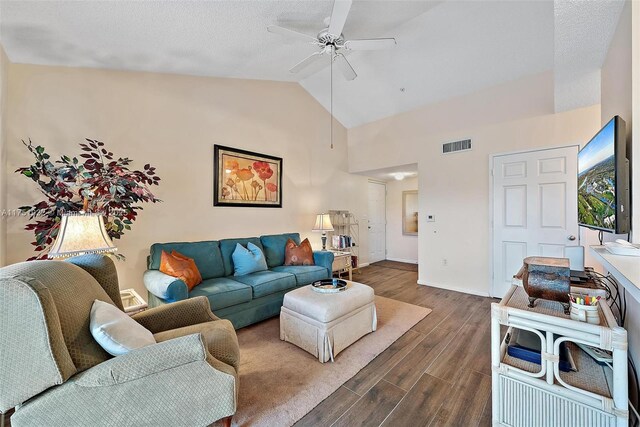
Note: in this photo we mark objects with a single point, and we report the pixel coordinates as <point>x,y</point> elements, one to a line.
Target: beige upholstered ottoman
<point>326,324</point>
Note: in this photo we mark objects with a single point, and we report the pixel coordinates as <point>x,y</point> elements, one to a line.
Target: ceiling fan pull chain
<point>331,99</point>
<point>331,40</point>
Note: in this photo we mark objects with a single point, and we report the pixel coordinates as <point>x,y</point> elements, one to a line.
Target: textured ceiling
<point>583,33</point>
<point>445,48</point>
<point>453,49</point>
<point>208,38</point>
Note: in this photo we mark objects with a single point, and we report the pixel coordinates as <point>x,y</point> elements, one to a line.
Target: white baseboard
<point>450,288</point>
<point>406,261</point>
<point>363,264</point>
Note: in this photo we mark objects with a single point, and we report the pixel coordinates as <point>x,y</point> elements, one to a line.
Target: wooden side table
<point>342,263</point>
<point>132,302</point>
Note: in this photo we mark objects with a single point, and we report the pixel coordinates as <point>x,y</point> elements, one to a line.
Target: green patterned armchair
<point>54,373</point>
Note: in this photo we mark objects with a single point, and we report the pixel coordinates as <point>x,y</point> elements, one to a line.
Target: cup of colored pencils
<point>584,299</point>
<point>584,308</point>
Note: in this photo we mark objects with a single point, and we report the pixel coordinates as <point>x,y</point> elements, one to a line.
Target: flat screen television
<point>603,180</point>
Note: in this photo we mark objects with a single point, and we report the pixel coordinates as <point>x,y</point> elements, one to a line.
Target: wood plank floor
<point>437,374</point>
<point>397,265</point>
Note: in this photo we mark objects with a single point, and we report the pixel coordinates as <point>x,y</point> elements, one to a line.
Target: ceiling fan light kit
<point>332,42</point>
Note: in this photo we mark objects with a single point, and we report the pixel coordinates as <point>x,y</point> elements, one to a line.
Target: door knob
<point>572,237</point>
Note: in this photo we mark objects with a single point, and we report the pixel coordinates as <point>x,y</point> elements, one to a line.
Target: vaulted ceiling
<point>445,48</point>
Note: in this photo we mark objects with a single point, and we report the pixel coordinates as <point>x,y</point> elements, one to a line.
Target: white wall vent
<point>453,147</point>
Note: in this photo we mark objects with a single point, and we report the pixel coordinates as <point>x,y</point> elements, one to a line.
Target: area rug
<point>280,383</point>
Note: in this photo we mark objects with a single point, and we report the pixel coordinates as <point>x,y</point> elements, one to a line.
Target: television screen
<point>599,179</point>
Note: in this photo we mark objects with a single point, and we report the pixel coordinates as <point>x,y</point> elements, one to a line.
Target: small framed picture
<point>246,179</point>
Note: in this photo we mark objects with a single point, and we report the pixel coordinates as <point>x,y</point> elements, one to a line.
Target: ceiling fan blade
<point>370,44</point>
<point>339,16</point>
<point>306,62</point>
<point>345,67</point>
<point>290,33</point>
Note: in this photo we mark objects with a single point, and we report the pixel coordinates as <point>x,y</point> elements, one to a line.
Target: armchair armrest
<point>145,361</point>
<point>164,286</point>
<point>324,259</point>
<point>176,315</point>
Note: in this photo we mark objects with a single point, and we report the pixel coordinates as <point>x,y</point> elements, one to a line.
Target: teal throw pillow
<point>248,260</point>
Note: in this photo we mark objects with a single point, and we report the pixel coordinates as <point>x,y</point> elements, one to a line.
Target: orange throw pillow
<point>181,267</point>
<point>298,255</point>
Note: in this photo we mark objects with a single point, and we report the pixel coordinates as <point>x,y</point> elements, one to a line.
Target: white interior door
<point>535,209</point>
<point>377,221</point>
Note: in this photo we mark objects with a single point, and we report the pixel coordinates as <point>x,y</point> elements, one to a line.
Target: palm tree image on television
<point>597,181</point>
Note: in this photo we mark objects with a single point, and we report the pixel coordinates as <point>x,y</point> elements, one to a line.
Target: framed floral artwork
<point>244,178</point>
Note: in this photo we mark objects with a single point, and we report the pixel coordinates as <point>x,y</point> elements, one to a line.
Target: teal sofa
<point>243,300</point>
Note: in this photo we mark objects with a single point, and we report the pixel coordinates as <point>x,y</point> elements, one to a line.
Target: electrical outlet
<point>444,262</point>
<point>431,218</point>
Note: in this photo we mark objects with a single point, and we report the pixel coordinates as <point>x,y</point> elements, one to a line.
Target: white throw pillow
<point>115,331</point>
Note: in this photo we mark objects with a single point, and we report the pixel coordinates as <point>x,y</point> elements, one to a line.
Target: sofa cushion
<point>274,247</point>
<point>247,260</point>
<point>205,254</point>
<point>305,274</point>
<point>267,282</point>
<point>227,246</point>
<point>222,292</point>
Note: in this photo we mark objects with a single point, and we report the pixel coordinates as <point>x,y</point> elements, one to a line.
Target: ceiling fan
<point>331,41</point>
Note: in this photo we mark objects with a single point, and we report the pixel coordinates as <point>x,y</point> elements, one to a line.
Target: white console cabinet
<point>527,394</point>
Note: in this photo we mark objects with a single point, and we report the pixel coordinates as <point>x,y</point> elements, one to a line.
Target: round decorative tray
<point>329,286</point>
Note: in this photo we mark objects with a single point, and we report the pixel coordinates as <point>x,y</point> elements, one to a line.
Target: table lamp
<point>79,234</point>
<point>323,224</point>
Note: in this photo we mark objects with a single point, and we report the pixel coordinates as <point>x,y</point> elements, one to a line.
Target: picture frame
<point>244,178</point>
<point>410,213</point>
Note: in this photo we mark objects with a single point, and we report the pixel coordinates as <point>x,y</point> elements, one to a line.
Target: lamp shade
<point>323,223</point>
<point>81,234</point>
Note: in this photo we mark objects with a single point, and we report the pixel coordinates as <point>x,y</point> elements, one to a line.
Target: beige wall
<point>173,122</point>
<point>4,68</point>
<point>399,247</point>
<point>615,100</point>
<point>633,307</point>
<point>616,84</point>
<point>635,107</point>
<point>528,97</point>
<point>618,73</point>
<point>455,188</point>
